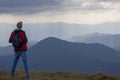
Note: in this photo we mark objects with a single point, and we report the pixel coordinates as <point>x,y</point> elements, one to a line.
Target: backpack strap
<point>25,37</point>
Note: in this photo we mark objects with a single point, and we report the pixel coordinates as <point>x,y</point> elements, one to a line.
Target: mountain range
<point>40,31</point>
<point>111,40</point>
<point>53,54</point>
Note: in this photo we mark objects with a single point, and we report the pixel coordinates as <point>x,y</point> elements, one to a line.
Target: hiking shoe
<point>28,77</point>
<point>12,75</point>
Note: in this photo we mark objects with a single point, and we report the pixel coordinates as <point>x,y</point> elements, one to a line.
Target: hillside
<point>59,76</point>
<point>53,54</point>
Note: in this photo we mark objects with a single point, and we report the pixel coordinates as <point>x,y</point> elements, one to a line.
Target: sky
<point>88,12</point>
<point>68,11</point>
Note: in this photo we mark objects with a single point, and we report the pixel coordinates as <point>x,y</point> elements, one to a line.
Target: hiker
<point>18,39</point>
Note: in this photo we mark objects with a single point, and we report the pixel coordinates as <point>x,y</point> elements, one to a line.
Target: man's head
<point>19,24</point>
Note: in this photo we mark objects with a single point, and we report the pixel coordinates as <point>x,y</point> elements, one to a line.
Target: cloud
<point>28,3</point>
<point>28,6</point>
<point>40,6</point>
<point>106,0</point>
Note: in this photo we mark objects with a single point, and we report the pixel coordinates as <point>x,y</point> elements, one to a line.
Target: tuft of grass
<point>20,75</point>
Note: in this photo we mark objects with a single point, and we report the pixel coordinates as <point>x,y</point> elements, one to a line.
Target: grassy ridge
<point>58,76</point>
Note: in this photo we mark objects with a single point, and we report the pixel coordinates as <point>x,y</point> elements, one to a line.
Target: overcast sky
<point>68,11</point>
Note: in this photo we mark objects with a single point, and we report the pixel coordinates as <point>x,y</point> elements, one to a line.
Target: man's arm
<point>23,37</point>
<point>25,40</point>
<point>11,37</point>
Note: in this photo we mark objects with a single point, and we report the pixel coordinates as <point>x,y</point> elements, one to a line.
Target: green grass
<point>20,75</point>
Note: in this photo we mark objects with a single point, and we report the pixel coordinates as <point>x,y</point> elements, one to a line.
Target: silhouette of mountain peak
<point>52,40</point>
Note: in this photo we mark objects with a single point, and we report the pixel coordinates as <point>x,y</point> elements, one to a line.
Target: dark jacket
<point>23,38</point>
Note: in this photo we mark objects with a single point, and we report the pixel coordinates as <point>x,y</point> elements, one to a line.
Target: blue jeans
<point>19,54</point>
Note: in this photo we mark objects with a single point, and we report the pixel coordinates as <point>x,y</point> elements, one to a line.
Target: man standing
<point>18,39</point>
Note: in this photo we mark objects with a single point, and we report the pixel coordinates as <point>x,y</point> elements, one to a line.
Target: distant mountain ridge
<point>111,40</point>
<point>8,50</point>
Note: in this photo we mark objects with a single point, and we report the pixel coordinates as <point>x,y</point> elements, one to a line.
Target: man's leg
<point>24,58</point>
<point>17,56</point>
